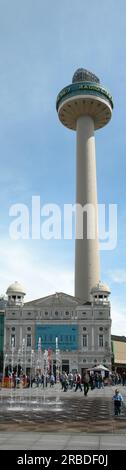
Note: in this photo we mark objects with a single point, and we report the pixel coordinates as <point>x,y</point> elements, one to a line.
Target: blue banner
<point>67,336</point>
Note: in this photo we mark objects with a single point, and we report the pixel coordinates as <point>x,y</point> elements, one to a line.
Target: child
<point>118,399</point>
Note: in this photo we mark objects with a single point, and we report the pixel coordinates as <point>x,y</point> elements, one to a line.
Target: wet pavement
<point>55,411</point>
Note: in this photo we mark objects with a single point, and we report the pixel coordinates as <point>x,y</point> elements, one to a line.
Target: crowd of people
<point>72,381</point>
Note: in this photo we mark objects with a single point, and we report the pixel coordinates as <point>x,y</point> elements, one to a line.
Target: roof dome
<point>83,75</point>
<point>100,287</point>
<point>16,288</point>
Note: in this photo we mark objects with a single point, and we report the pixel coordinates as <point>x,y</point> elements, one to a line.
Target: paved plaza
<point>61,441</point>
<point>53,419</point>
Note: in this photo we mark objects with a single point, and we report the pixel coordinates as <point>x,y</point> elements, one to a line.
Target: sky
<point>42,43</point>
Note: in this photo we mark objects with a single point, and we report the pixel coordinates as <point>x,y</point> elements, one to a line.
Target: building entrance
<point>65,366</point>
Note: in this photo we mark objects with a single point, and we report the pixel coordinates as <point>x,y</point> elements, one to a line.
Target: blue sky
<point>41,45</point>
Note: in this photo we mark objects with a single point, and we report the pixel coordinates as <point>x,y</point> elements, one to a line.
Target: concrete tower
<point>85,106</point>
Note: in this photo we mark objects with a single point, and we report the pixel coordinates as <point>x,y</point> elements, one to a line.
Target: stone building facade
<point>83,331</point>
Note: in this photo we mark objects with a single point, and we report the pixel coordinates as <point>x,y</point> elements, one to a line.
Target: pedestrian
<point>118,399</point>
<point>86,380</point>
<point>78,383</point>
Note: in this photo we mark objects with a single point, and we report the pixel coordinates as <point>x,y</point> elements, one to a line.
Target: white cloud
<point>118,276</point>
<point>39,279</point>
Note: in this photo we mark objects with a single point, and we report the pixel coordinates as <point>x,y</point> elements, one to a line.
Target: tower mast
<point>85,106</point>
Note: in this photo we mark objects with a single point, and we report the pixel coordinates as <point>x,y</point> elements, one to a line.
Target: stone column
<point>86,249</point>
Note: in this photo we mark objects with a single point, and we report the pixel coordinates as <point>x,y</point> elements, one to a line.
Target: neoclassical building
<point>83,330</point>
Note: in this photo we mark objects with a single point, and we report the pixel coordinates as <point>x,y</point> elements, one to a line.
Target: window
<point>13,328</point>
<point>13,313</point>
<point>100,329</point>
<point>46,313</point>
<point>84,328</point>
<point>84,341</point>
<point>29,313</point>
<point>83,313</point>
<point>13,340</point>
<point>28,341</point>
<point>100,296</point>
<point>67,313</point>
<point>100,341</point>
<point>29,328</point>
<point>56,313</point>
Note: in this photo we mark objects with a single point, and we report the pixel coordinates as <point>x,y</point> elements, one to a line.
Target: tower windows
<point>85,341</point>
<point>28,341</point>
<point>100,341</point>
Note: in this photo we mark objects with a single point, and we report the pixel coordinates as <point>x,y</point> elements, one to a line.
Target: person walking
<point>118,399</point>
<point>86,380</point>
<point>78,382</point>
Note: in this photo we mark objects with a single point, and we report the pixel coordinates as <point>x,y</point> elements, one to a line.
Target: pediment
<point>58,299</point>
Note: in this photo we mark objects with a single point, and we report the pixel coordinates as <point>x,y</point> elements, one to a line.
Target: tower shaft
<point>86,249</point>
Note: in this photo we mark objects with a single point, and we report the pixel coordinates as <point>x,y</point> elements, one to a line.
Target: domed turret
<point>15,293</point>
<point>100,292</point>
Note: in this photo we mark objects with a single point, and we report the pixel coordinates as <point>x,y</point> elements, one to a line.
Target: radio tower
<point>85,106</point>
